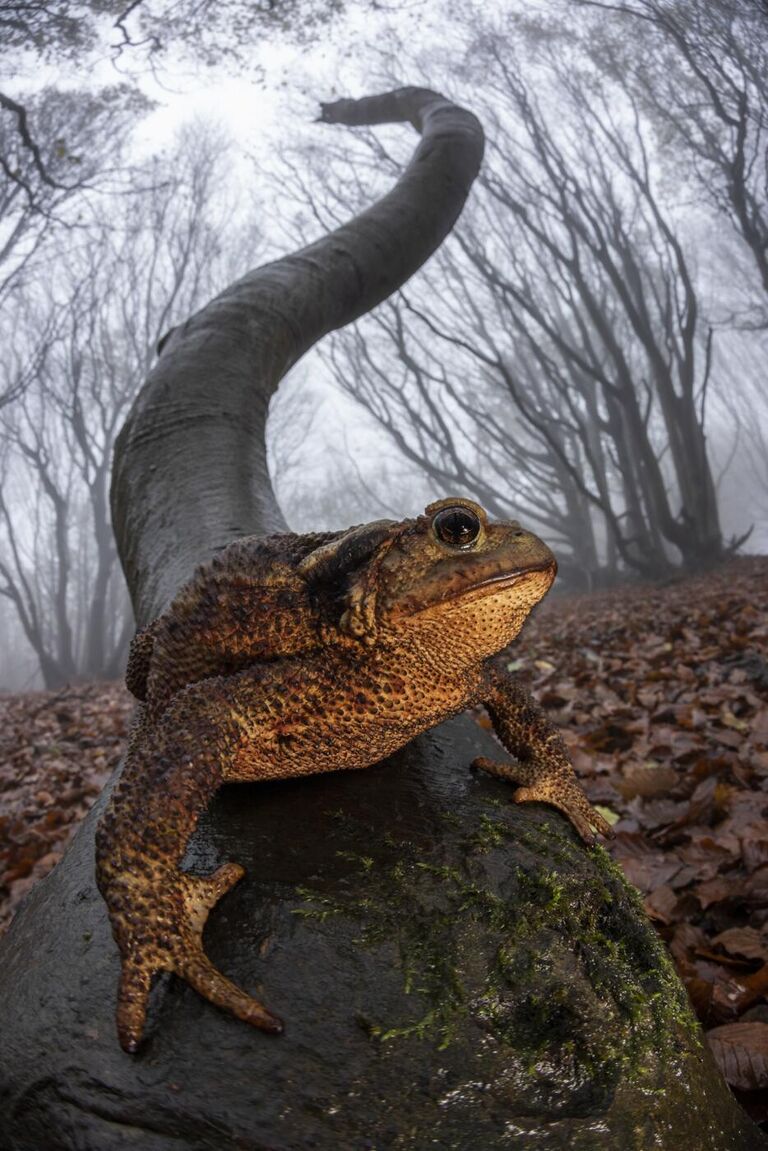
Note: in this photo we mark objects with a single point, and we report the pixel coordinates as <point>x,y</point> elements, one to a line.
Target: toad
<point>294,654</point>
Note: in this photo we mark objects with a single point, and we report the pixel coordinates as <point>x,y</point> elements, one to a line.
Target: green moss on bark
<point>553,959</point>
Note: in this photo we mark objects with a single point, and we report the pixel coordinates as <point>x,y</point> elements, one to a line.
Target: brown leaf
<point>708,854</point>
<point>741,1053</point>
<point>684,877</point>
<point>743,941</point>
<point>754,850</point>
<point>648,697</point>
<point>686,939</point>
<point>727,962</point>
<point>730,720</point>
<point>661,904</point>
<point>751,988</point>
<point>702,802</point>
<point>700,993</point>
<point>759,762</point>
<point>646,779</point>
<point>653,813</point>
<point>756,888</point>
<point>728,738</point>
<point>759,724</point>
<point>716,890</point>
<point>632,845</point>
<point>609,737</point>
<point>651,871</point>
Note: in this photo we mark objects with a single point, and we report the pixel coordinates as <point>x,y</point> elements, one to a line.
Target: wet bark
<point>454,972</point>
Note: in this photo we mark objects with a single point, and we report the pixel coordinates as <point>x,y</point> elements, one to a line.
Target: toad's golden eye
<point>459,527</point>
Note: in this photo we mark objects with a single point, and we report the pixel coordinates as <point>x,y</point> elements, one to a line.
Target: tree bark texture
<point>455,972</point>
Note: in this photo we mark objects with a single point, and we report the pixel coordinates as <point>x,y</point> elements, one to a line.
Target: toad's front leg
<point>542,768</point>
<point>157,911</point>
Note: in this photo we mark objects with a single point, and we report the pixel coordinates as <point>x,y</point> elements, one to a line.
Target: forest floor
<point>661,692</point>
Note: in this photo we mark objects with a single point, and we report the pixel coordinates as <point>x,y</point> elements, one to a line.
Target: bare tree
<point>58,151</point>
<point>449,426</point>
<point>700,68</point>
<point>559,338</point>
<point>152,27</point>
<point>743,356</point>
<point>613,319</point>
<point>44,154</point>
<point>114,295</point>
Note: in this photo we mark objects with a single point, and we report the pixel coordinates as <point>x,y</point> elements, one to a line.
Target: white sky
<point>280,75</point>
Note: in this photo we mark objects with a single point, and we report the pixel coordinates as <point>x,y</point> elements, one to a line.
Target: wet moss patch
<point>544,948</point>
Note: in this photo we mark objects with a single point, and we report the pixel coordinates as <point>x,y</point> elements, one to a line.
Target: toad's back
<point>260,599</point>
<point>252,603</point>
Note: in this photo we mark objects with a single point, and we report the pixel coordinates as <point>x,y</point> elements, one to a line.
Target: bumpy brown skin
<point>297,654</point>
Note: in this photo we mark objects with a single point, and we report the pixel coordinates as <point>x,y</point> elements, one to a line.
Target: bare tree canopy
<point>557,360</point>
<point>151,27</point>
<point>54,150</point>
<point>700,69</point>
<point>81,342</point>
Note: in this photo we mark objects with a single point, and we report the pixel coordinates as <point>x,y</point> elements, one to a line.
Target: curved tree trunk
<point>455,972</point>
<point>190,464</point>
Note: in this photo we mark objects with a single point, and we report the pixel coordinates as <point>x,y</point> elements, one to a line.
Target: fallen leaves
<point>662,697</point>
<point>744,942</point>
<point>646,779</point>
<point>57,750</point>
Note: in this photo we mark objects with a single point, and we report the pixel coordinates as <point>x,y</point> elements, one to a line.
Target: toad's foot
<point>169,938</point>
<point>558,790</point>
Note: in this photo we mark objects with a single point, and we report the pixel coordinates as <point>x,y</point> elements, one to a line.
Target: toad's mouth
<point>501,581</point>
<point>466,590</point>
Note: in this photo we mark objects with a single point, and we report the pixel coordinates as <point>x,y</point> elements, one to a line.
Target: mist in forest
<point>585,353</point>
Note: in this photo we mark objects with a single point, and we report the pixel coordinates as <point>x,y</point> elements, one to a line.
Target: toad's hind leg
<point>157,911</point>
<point>181,952</point>
<point>200,895</point>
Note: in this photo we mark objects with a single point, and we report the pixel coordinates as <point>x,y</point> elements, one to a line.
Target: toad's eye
<point>459,527</point>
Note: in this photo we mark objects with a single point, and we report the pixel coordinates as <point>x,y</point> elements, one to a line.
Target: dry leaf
<point>646,779</point>
<point>650,871</point>
<point>661,904</point>
<point>743,941</point>
<point>741,1053</point>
